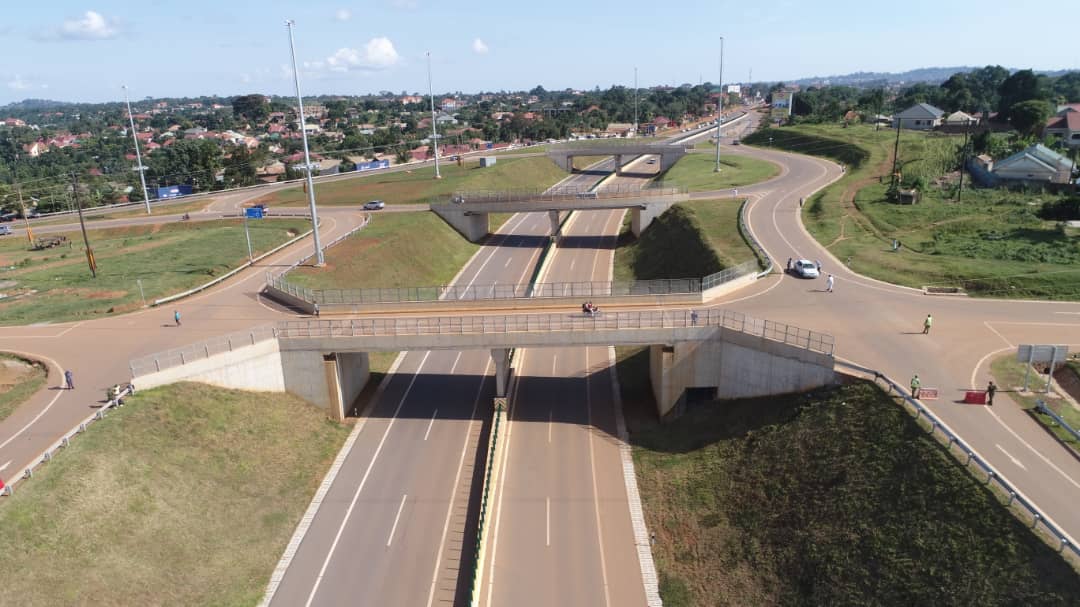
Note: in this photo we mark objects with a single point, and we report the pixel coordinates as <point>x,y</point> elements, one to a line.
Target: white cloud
<point>343,14</point>
<point>479,47</point>
<point>92,26</point>
<point>18,84</point>
<point>377,54</point>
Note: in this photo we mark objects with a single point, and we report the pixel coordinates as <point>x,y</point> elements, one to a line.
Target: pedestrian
<point>915,385</point>
<point>829,283</point>
<point>895,244</point>
<point>693,318</point>
<point>788,264</point>
<point>176,317</point>
<point>69,380</point>
<point>801,201</point>
<point>991,388</point>
<point>316,309</point>
<point>735,192</point>
<point>817,262</point>
<point>926,324</point>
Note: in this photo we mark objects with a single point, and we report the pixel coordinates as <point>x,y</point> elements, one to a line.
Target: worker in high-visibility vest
<point>915,384</point>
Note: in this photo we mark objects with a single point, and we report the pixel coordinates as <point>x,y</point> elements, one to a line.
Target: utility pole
<point>320,261</point>
<point>963,159</point>
<point>82,224</point>
<point>896,157</point>
<point>720,106</point>
<point>26,218</point>
<point>138,154</point>
<point>635,103</point>
<point>434,133</point>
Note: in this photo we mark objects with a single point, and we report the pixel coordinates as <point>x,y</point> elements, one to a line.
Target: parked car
<point>735,142</point>
<point>5,230</point>
<point>804,268</point>
<point>374,205</point>
<point>650,161</point>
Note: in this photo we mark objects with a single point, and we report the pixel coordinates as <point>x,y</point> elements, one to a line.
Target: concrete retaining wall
<point>304,373</point>
<point>738,365</point>
<point>474,226</point>
<point>254,367</point>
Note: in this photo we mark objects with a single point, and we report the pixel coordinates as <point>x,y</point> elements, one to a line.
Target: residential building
<point>1036,164</point>
<point>959,118</point>
<point>920,117</point>
<point>1066,125</point>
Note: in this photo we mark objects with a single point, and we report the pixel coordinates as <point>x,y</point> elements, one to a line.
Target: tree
<point>253,108</point>
<point>1024,85</point>
<point>1029,117</point>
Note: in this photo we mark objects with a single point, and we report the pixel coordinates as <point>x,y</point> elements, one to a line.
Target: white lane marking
<point>430,424</point>
<point>499,490</point>
<point>59,393</point>
<point>595,490</point>
<point>363,481</point>
<point>454,366</point>
<point>1033,449</point>
<point>548,538</point>
<point>1014,460</point>
<point>508,260</point>
<point>554,359</point>
<point>986,323</point>
<point>572,262</point>
<point>4,467</point>
<point>457,479</point>
<point>396,519</point>
<point>1066,312</point>
<point>494,249</point>
<point>982,360</point>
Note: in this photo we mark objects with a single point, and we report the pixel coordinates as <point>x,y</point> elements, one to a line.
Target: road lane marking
<point>457,479</point>
<point>494,249</point>
<point>508,260</point>
<point>596,492</point>
<point>548,538</point>
<point>363,481</point>
<point>396,519</point>
<point>45,410</point>
<point>454,366</point>
<point>1034,450</point>
<point>572,262</point>
<point>4,467</point>
<point>431,423</point>
<point>982,360</point>
<point>554,359</point>
<point>1014,460</point>
<point>986,323</point>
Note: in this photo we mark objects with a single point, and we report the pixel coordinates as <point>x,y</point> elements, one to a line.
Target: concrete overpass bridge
<point>721,354</point>
<point>468,212</point>
<point>563,154</point>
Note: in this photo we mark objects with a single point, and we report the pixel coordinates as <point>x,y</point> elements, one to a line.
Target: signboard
<point>371,166</point>
<point>1029,353</point>
<point>173,191</point>
<point>500,403</point>
<point>928,393</point>
<point>253,213</point>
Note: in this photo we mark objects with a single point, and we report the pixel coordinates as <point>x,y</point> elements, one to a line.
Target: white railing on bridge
<point>201,350</point>
<point>566,192</point>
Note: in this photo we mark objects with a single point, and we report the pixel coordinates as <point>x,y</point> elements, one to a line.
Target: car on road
<point>4,230</point>
<point>735,142</point>
<point>804,268</point>
<point>650,161</point>
<point>374,205</point>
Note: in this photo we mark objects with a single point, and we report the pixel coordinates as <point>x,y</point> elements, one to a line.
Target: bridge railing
<point>572,146</point>
<point>377,295</point>
<point>567,192</point>
<point>729,274</point>
<point>200,350</point>
<point>519,323</point>
<point>759,251</point>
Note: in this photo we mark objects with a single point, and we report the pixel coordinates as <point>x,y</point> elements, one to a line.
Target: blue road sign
<point>253,213</point>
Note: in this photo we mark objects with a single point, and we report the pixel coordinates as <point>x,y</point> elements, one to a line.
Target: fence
<point>728,274</point>
<point>1041,406</point>
<point>993,477</point>
<point>201,350</point>
<point>558,193</point>
<point>376,295</point>
<point>759,251</point>
<point>481,527</point>
<point>618,321</point>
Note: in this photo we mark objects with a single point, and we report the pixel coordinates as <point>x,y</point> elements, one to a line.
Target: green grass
<point>188,495</point>
<point>55,285</point>
<point>991,244</point>
<point>690,240</point>
<point>696,172</point>
<point>1009,375</point>
<point>418,186</point>
<point>29,382</point>
<point>835,497</point>
<point>394,250</point>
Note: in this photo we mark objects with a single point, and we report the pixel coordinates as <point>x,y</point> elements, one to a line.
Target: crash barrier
<point>244,266</point>
<point>941,431</point>
<point>565,192</point>
<point>114,397</point>
<point>201,350</point>
<point>301,260</point>
<point>492,472</point>
<point>728,274</point>
<point>1042,408</point>
<point>748,236</point>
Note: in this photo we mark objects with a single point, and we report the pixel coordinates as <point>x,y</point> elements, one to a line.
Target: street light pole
<point>319,260</point>
<point>434,133</point>
<point>138,154</point>
<point>720,105</point>
<point>635,103</point>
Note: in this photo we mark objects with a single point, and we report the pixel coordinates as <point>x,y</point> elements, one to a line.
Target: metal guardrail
<point>577,144</point>
<point>484,503</point>
<point>566,192</point>
<point>523,323</point>
<point>728,274</point>
<point>1042,408</point>
<point>201,350</point>
<point>376,295</point>
<point>992,475</point>
<point>759,251</point>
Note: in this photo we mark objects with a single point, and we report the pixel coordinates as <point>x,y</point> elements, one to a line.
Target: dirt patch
<point>14,371</point>
<point>1069,381</point>
<point>104,294</point>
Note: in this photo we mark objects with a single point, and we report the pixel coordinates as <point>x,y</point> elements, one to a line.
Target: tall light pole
<point>434,134</point>
<point>319,260</point>
<point>138,154</point>
<point>720,106</point>
<point>635,103</point>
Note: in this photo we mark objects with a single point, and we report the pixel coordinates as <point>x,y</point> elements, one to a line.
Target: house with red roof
<point>1066,127</point>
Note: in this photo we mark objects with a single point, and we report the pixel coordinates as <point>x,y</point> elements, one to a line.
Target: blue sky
<point>83,51</point>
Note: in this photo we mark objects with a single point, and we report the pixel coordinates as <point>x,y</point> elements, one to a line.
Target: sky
<point>76,50</point>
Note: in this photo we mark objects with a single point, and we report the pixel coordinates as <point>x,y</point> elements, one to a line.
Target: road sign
<point>1028,353</point>
<point>500,403</point>
<point>253,213</point>
<point>928,393</point>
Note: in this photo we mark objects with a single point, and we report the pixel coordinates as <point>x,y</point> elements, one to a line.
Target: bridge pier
<point>501,356</point>
<point>618,164</point>
<point>554,217</point>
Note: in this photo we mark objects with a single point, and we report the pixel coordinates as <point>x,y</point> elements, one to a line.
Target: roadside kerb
<point>1039,520</point>
<point>47,455</point>
<point>748,236</point>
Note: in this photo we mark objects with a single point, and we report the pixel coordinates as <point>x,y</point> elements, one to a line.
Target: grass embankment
<point>696,172</point>
<point>394,250</point>
<point>836,497</point>
<point>19,380</point>
<point>690,240</point>
<point>419,185</point>
<point>1009,376</point>
<point>992,243</point>
<point>188,495</point>
<point>55,284</point>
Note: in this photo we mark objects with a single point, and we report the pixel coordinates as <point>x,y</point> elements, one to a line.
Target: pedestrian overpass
<point>670,153</point>
<point>325,362</point>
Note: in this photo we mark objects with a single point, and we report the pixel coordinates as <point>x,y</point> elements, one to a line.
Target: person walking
<point>915,385</point>
<point>801,201</point>
<point>693,318</point>
<point>69,380</point>
<point>829,283</point>
<point>176,317</point>
<point>926,324</point>
<point>817,262</point>
<point>788,264</point>
<point>735,192</point>
<point>991,389</point>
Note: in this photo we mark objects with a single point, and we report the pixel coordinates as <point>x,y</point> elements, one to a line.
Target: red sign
<point>975,397</point>
<point>928,394</point>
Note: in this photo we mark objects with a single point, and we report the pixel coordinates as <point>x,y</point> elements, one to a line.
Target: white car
<point>374,205</point>
<point>804,268</point>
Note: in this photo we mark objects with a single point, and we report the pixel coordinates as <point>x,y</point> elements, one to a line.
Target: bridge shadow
<point>537,242</point>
